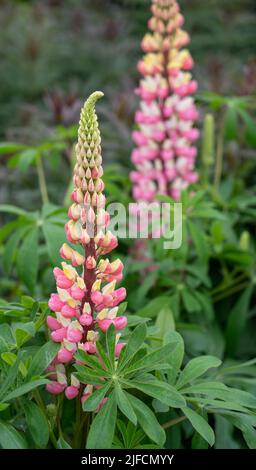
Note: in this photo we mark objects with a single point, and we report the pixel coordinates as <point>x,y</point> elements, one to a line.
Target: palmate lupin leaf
<point>186,393</point>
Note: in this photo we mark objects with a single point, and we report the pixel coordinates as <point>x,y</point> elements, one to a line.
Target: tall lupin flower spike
<point>164,155</point>
<point>86,300</point>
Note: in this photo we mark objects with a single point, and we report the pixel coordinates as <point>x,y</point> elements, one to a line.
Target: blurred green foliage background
<point>53,53</point>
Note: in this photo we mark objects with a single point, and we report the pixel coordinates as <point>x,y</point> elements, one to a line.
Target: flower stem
<point>78,435</point>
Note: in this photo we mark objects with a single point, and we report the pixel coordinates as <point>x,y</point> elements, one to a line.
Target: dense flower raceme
<point>87,299</point>
<point>165,153</point>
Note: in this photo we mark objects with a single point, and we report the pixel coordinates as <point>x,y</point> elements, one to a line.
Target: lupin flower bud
<point>165,153</point>
<point>67,253</point>
<point>85,303</point>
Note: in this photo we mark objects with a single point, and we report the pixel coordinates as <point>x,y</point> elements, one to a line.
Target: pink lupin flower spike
<point>87,302</point>
<point>165,154</point>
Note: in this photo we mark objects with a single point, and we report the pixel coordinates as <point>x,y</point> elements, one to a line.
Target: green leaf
<point>12,209</point>
<point>87,376</point>
<point>10,228</point>
<point>199,239</point>
<point>176,357</point>
<point>27,301</point>
<point>250,127</point>
<point>206,304</point>
<point>91,361</point>
<point>111,344</point>
<point>160,390</point>
<point>62,444</point>
<point>50,210</point>
<point>26,158</point>
<point>10,147</point>
<point>206,387</point>
<point>152,309</point>
<point>103,355</point>
<point>3,346</point>
<point>25,388</point>
<point>237,368</point>
<point>139,296</point>
<point>102,429</point>
<point>231,123</point>
<point>136,339</point>
<point>215,101</point>
<point>9,379</point>
<point>43,358</point>
<point>37,424</point>
<point>217,231</point>
<point>9,358</point>
<point>135,320</point>
<point>94,400</point>
<point>10,250</point>
<point>10,438</point>
<point>28,259</point>
<point>222,392</point>
<point>164,322</point>
<point>242,422</point>
<point>121,309</point>
<point>237,320</point>
<point>147,420</point>
<point>200,425</point>
<point>190,302</point>
<point>3,406</point>
<point>224,431</point>
<point>55,237</point>
<point>153,360</point>
<point>200,272</point>
<point>222,405</point>
<point>209,213</point>
<point>237,256</point>
<point>195,368</point>
<point>7,335</point>
<point>124,404</point>
<point>23,332</point>
<point>175,305</point>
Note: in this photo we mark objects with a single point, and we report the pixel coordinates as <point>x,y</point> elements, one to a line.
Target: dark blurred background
<point>53,53</point>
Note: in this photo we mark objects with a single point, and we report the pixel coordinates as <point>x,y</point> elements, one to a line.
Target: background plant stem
<point>42,180</point>
<point>219,157</point>
<point>173,422</point>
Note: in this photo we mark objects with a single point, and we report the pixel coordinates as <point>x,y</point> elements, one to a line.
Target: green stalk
<point>66,201</point>
<point>42,180</point>
<point>173,422</point>
<point>230,292</point>
<point>229,285</point>
<point>78,435</point>
<point>219,157</point>
<point>59,413</point>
